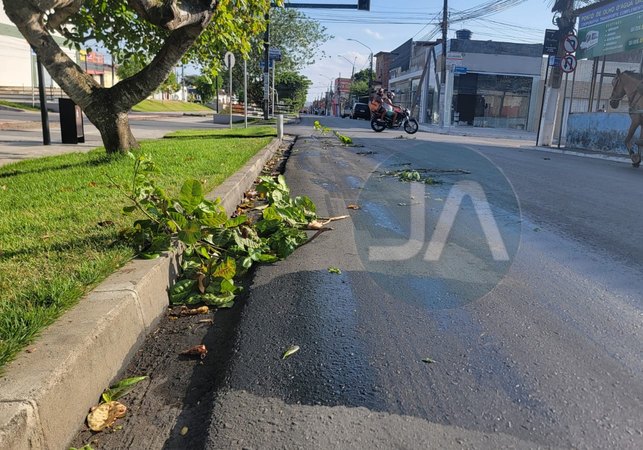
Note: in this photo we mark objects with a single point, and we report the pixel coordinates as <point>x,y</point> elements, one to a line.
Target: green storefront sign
<point>613,28</point>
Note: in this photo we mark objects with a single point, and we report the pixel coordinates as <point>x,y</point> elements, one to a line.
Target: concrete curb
<point>45,394</point>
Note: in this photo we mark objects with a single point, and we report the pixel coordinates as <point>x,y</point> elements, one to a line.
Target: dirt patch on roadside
<point>171,409</point>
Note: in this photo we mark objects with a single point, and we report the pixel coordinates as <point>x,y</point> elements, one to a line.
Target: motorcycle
<point>403,119</point>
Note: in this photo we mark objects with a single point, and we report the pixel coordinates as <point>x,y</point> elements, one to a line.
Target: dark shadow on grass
<point>106,159</point>
<point>92,241</point>
<point>220,136</point>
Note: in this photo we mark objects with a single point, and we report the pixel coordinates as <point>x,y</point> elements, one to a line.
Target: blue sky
<point>390,23</point>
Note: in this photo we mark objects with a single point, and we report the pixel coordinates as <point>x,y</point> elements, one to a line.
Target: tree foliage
<point>292,88</point>
<point>359,88</point>
<point>117,27</point>
<point>298,37</point>
<point>299,40</point>
<point>170,85</point>
<point>204,85</point>
<point>363,75</point>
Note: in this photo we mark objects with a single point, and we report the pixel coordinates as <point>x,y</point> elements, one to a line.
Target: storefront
<point>493,84</point>
<point>496,101</point>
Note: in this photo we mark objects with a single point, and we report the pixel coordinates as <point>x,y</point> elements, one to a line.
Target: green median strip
<point>22,106</point>
<point>60,218</point>
<point>254,131</point>
<point>170,106</point>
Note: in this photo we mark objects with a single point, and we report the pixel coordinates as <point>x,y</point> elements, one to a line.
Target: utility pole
<point>565,22</point>
<point>266,67</point>
<point>370,76</point>
<point>370,73</point>
<point>446,110</point>
<point>444,24</point>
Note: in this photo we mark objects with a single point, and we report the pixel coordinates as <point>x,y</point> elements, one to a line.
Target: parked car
<point>361,111</point>
<point>347,111</point>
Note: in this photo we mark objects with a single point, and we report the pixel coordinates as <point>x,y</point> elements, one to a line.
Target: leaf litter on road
<point>104,415</point>
<point>290,351</point>
<point>198,350</point>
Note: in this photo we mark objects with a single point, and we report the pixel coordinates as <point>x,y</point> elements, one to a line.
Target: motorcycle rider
<point>378,103</point>
<point>390,106</point>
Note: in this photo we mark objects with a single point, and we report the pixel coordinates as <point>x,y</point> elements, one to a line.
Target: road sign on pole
<point>568,63</point>
<point>228,60</point>
<point>274,54</point>
<point>550,45</point>
<point>570,44</point>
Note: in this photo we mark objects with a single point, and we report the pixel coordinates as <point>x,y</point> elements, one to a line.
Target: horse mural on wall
<point>631,84</point>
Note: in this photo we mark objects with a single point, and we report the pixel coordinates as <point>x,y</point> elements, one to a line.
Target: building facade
<point>18,71</point>
<point>341,95</point>
<point>492,84</point>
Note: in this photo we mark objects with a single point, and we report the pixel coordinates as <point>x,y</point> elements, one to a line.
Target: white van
<point>591,39</point>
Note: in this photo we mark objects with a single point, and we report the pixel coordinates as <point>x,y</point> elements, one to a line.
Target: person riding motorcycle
<point>377,103</point>
<point>391,108</point>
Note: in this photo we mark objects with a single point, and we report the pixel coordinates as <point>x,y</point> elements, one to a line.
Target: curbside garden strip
<point>48,390</point>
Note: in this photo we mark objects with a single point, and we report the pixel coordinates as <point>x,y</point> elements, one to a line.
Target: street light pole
<point>350,94</point>
<point>329,93</point>
<point>351,63</point>
<point>370,58</point>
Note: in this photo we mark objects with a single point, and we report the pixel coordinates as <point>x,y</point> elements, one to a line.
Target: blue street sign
<point>274,53</point>
<point>459,70</point>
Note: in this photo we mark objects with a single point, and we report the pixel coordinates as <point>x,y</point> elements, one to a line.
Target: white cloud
<point>373,34</point>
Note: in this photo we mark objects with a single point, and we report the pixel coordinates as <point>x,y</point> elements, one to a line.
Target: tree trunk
<point>115,131</point>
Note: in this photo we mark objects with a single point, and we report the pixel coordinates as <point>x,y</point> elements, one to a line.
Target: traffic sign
<point>228,60</point>
<point>570,44</point>
<point>266,85</point>
<point>459,70</point>
<point>568,63</point>
<point>274,53</point>
<point>550,45</point>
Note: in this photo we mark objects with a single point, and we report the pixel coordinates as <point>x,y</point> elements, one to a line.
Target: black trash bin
<point>71,121</point>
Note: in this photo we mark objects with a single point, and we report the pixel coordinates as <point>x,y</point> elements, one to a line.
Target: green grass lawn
<point>22,106</point>
<point>60,217</point>
<point>170,106</point>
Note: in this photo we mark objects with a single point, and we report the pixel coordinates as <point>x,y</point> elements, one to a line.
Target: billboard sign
<point>615,27</point>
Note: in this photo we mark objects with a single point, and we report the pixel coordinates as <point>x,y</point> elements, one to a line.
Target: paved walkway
<point>496,133</point>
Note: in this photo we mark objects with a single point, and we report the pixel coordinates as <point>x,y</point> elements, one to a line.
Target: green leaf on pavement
<point>290,351</point>
<point>428,360</point>
<point>121,388</point>
<point>332,269</point>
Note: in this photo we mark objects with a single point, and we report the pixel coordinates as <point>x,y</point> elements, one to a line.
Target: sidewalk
<point>528,139</point>
<point>494,133</point>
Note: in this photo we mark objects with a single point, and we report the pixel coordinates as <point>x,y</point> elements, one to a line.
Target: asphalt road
<point>518,276</point>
